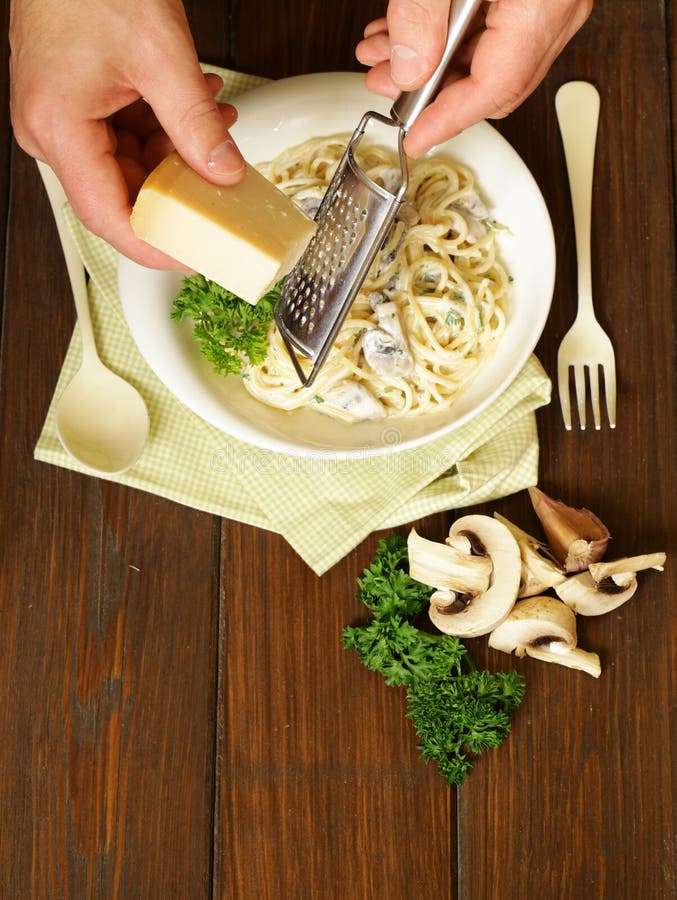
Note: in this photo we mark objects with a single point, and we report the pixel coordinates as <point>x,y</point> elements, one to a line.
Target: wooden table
<point>177,715</point>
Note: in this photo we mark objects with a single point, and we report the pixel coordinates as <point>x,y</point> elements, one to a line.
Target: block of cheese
<point>245,236</point>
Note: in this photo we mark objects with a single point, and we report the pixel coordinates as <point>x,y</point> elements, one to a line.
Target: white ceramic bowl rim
<point>283,113</point>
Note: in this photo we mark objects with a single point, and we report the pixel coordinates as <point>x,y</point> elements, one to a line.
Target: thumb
<point>187,111</point>
<point>417,33</point>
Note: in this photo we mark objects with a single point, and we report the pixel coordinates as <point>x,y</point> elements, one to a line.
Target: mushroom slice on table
<point>544,628</point>
<point>577,537</point>
<point>606,586</point>
<point>444,567</point>
<point>618,569</point>
<point>540,570</point>
<point>471,615</point>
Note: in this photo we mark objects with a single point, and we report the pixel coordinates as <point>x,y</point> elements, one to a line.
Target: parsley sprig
<point>456,710</point>
<point>230,331</point>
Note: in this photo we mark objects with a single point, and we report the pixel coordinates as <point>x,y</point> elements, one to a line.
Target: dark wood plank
<point>210,25</point>
<point>278,41</point>
<point>582,805</point>
<point>671,33</point>
<point>5,141</point>
<point>108,623</point>
<point>178,716</point>
<point>316,757</point>
<point>320,789</point>
<point>572,779</point>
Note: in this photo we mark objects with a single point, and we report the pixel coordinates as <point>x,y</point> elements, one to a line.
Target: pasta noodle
<point>431,309</point>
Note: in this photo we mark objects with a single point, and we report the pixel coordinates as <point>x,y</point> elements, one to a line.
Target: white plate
<point>279,115</point>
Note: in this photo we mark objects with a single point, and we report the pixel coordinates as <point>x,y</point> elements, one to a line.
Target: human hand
<point>79,71</point>
<point>506,55</point>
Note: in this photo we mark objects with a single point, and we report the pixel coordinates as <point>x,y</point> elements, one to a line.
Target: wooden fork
<point>586,344</point>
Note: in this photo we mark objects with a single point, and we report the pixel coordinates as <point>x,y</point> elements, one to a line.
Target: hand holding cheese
<point>244,237</point>
<point>78,73</point>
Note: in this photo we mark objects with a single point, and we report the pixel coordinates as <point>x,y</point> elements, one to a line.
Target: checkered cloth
<point>323,508</point>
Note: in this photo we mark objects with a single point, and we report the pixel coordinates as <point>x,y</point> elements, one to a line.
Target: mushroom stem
<point>602,570</point>
<point>446,568</point>
<point>583,660</point>
<point>540,570</point>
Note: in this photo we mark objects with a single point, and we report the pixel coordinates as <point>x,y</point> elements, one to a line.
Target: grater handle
<point>410,104</point>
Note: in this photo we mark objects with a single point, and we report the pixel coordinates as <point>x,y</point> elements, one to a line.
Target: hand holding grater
<point>353,221</point>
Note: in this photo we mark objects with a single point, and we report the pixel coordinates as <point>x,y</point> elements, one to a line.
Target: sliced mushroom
<point>458,613</point>
<point>474,212</point>
<point>386,355</point>
<point>585,596</point>
<point>375,298</point>
<point>470,202</point>
<point>461,542</point>
<point>445,567</point>
<point>577,537</point>
<point>385,348</point>
<point>618,569</point>
<point>390,177</point>
<point>540,570</point>
<point>608,585</point>
<point>354,399</point>
<point>544,628</point>
<point>388,315</point>
<point>408,214</point>
<point>309,205</point>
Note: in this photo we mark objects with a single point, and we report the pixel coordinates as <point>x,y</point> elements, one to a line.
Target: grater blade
<point>353,221</point>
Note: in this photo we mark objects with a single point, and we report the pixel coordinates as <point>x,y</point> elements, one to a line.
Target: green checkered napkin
<point>323,508</point>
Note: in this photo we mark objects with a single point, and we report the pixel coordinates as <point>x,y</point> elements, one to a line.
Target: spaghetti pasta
<point>431,309</point>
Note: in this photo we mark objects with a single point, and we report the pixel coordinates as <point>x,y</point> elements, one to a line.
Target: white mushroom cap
<point>544,628</point>
<point>471,617</point>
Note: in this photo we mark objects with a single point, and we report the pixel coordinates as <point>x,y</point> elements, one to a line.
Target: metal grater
<point>353,221</point>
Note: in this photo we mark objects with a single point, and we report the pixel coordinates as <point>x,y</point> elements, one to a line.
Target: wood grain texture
<point>5,140</point>
<point>279,40</point>
<point>582,809</point>
<point>107,677</point>
<point>320,788</point>
<point>178,717</point>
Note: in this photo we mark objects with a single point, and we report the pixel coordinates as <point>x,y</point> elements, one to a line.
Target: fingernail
<point>405,65</point>
<point>225,159</point>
